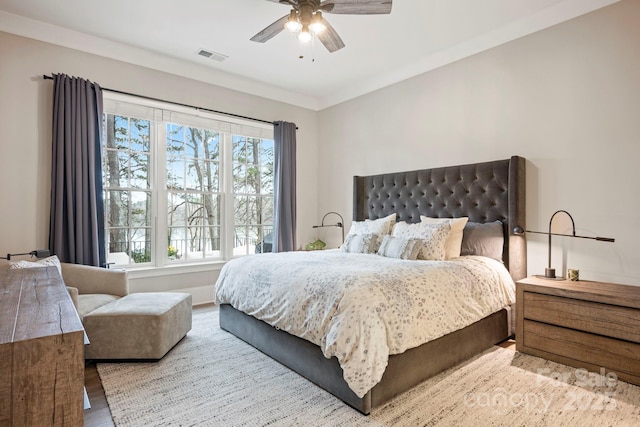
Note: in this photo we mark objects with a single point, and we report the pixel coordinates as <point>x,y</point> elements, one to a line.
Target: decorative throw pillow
<point>397,247</point>
<point>486,239</point>
<point>433,236</point>
<point>379,226</point>
<point>45,262</point>
<point>361,243</point>
<point>454,242</point>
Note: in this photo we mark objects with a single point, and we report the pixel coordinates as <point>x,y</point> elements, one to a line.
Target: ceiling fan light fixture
<point>293,23</point>
<point>316,23</point>
<point>306,18</point>
<point>304,36</point>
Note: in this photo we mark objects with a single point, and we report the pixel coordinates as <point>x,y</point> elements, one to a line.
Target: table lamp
<point>549,272</point>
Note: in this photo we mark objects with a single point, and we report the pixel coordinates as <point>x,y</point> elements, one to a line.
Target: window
<point>193,192</point>
<point>252,194</point>
<point>184,186</point>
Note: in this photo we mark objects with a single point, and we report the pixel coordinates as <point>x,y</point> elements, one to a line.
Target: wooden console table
<point>591,325</point>
<point>41,351</point>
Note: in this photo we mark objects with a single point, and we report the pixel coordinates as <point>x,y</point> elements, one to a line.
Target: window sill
<point>152,271</point>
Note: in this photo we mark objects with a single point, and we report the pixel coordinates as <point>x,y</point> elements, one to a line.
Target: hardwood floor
<point>508,344</point>
<point>99,415</point>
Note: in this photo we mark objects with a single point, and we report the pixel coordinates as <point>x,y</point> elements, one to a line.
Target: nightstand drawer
<point>622,357</point>
<point>602,319</point>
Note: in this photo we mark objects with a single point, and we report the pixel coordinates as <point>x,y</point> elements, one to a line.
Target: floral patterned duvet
<point>361,307</point>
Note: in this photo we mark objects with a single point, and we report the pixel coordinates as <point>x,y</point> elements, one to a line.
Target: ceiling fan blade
<point>330,38</point>
<point>271,31</point>
<point>357,7</point>
<point>289,2</point>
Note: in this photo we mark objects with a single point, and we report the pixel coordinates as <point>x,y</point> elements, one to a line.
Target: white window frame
<point>160,113</point>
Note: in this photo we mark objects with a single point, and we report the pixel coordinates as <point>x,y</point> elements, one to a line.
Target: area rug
<point>212,378</point>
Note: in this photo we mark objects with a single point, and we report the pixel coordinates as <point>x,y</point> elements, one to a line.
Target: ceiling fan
<point>306,18</point>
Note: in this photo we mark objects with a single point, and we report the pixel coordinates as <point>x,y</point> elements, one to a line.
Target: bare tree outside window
<point>126,186</point>
<point>193,182</point>
<point>194,194</point>
<point>252,194</point>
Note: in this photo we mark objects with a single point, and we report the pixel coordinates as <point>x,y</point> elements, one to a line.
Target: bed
<point>485,193</point>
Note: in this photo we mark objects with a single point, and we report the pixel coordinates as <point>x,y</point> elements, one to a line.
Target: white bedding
<point>362,308</point>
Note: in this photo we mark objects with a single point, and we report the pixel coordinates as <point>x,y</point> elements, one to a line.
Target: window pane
<point>119,132</point>
<point>123,169</point>
<point>118,242</point>
<point>196,218</point>
<point>195,211</point>
<point>266,166</point>
<point>175,140</point>
<point>212,242</point>
<point>195,243</point>
<point>265,240</point>
<point>111,170</point>
<point>175,173</point>
<point>254,238</point>
<point>239,177</point>
<point>190,151</point>
<point>211,209</point>
<point>194,142</point>
<point>253,187</point>
<point>240,204</point>
<point>254,210</point>
<point>239,149</point>
<point>252,149</point>
<point>139,135</point>
<point>140,209</point>
<point>240,241</point>
<point>177,209</point>
<point>140,171</point>
<point>140,247</point>
<point>212,147</point>
<point>212,178</point>
<point>117,208</point>
<point>267,210</point>
<point>177,243</point>
<point>267,151</point>
<point>195,175</point>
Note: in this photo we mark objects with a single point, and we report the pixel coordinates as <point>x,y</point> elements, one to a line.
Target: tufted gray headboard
<point>484,192</point>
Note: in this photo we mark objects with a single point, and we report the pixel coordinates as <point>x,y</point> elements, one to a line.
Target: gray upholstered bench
<point>138,326</point>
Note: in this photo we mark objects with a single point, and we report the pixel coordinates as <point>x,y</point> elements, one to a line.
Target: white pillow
<point>433,236</point>
<point>454,242</point>
<point>397,247</point>
<point>45,262</point>
<point>380,226</point>
<point>361,243</point>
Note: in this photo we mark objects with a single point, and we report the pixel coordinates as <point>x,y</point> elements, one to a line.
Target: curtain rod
<point>180,104</point>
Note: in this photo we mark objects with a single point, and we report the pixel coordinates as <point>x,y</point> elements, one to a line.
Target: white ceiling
<point>418,35</point>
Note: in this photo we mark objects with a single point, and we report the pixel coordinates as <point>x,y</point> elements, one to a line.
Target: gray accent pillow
<point>361,243</point>
<point>486,239</point>
<point>397,247</point>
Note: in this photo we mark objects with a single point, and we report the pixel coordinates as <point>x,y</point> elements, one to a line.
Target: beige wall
<point>25,141</point>
<point>566,98</point>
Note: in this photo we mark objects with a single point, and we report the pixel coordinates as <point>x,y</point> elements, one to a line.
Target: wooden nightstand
<point>591,325</point>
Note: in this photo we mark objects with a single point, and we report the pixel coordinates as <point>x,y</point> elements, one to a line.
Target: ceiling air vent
<point>212,55</point>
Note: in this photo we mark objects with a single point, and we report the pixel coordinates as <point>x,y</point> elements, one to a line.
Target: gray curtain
<point>76,228</point>
<point>284,233</point>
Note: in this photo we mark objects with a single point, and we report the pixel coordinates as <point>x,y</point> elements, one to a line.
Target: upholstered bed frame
<point>484,192</point>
